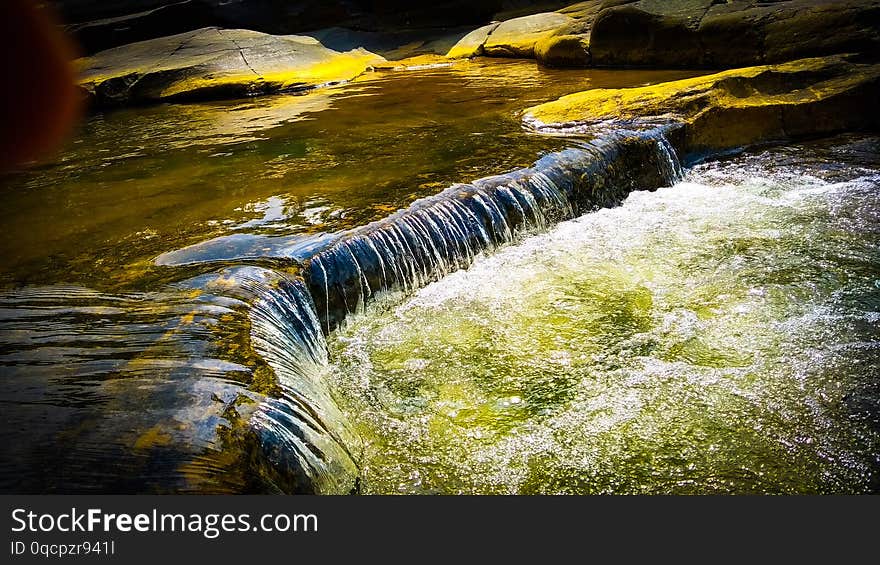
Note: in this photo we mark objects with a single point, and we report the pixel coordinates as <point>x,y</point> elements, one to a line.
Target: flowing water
<point>716,336</point>
<point>170,281</point>
<point>156,334</point>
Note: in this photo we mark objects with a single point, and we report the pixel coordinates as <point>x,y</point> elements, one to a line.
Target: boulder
<point>708,33</point>
<point>735,33</point>
<point>649,33</point>
<point>733,108</point>
<point>563,51</point>
<point>471,45</point>
<point>683,33</point>
<point>517,37</point>
<point>554,38</point>
<point>569,45</point>
<point>215,63</point>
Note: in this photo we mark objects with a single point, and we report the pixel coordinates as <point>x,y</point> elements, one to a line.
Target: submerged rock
<point>216,63</point>
<point>733,108</point>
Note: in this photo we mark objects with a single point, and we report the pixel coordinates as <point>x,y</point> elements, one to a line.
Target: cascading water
<point>304,440</point>
<point>284,431</point>
<point>302,432</point>
<point>164,329</point>
<point>443,233</point>
<point>716,336</point>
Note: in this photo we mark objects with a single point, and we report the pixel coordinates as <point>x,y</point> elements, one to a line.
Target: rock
<point>707,33</point>
<point>393,45</point>
<point>782,31</point>
<point>649,33</point>
<point>517,37</point>
<point>168,19</point>
<point>418,62</point>
<point>563,51</point>
<point>471,45</point>
<point>569,45</point>
<point>215,63</point>
<point>736,107</point>
<point>683,33</point>
<point>99,24</point>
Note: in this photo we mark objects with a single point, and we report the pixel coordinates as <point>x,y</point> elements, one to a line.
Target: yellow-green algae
<point>737,107</point>
<point>215,63</point>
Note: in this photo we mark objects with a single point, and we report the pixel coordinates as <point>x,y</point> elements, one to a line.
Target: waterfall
<point>257,414</point>
<point>445,232</point>
<point>303,437</point>
<point>304,441</point>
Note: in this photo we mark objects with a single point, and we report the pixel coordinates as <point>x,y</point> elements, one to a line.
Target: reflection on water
<point>139,182</point>
<point>719,335</point>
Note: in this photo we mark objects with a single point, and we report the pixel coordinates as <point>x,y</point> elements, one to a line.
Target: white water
<point>719,335</point>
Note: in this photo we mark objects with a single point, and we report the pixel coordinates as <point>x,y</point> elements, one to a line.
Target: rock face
<point>215,63</point>
<point>736,107</point>
<point>554,38</point>
<point>685,33</point>
<point>707,33</point>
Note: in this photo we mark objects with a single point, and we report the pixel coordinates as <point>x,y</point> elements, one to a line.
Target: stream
<point>226,297</point>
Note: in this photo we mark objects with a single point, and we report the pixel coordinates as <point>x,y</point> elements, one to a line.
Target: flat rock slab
<point>215,63</point>
<point>733,108</point>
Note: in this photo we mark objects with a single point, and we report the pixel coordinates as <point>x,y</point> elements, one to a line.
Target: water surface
<point>136,183</point>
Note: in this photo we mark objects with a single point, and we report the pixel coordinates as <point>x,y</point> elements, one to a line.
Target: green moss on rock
<point>736,107</point>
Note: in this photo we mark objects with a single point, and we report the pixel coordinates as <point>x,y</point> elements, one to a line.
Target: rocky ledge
<point>215,63</point>
<point>730,109</point>
<point>682,33</point>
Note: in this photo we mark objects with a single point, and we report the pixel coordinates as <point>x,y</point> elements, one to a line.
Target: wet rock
<point>415,63</point>
<point>215,63</point>
<point>734,108</point>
